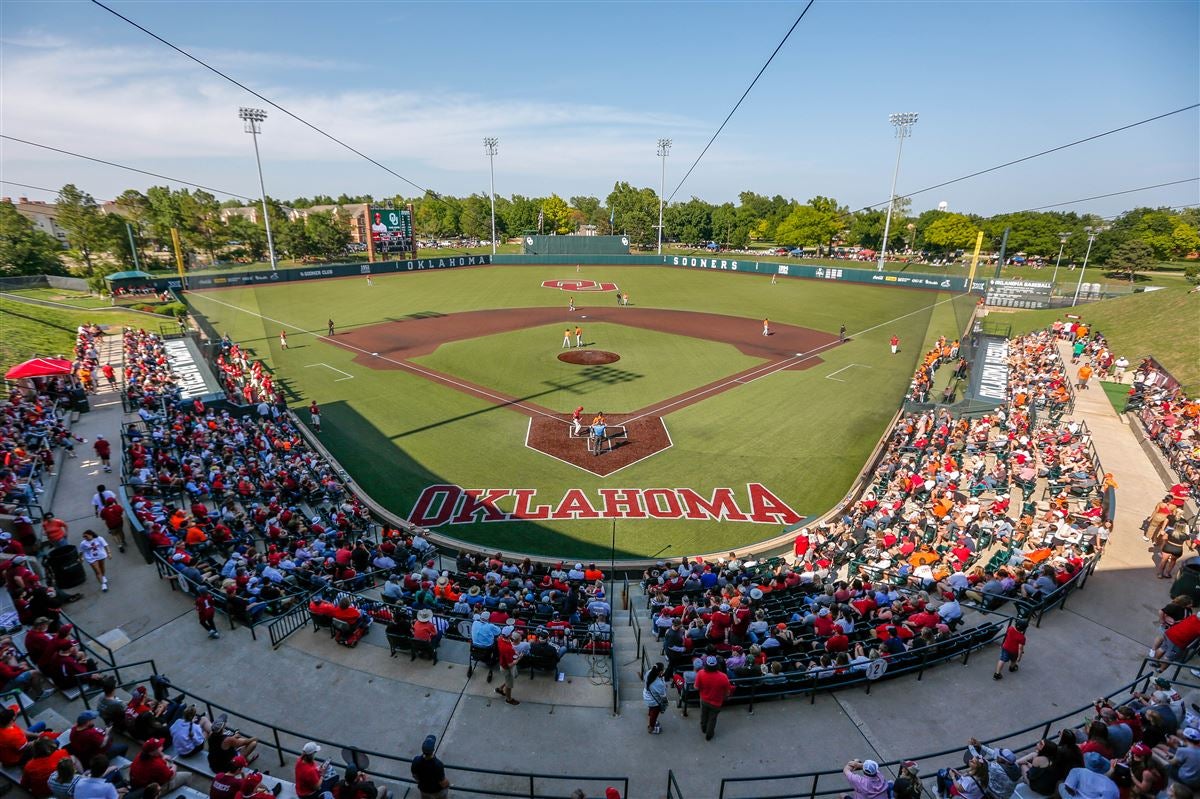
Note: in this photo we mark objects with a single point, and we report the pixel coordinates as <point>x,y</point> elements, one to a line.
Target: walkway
<point>363,697</point>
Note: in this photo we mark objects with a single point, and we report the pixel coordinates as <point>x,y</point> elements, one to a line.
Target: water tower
<point>943,206</point>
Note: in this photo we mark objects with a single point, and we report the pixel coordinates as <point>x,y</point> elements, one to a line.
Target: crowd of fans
<point>885,586</point>
<point>943,352</point>
<point>149,380</point>
<point>245,381</point>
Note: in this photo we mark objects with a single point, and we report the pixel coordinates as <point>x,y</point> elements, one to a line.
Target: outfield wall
<point>725,264</point>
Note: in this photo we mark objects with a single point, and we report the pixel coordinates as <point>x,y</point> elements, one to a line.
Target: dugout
<point>576,245</point>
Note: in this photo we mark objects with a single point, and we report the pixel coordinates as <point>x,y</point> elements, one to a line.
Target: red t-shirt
<point>508,655</point>
<point>714,687</point>
<point>308,777</point>
<point>145,770</point>
<point>1183,633</point>
<point>225,786</point>
<point>1014,639</point>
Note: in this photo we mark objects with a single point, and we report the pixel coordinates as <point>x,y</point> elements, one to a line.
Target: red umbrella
<point>39,367</point>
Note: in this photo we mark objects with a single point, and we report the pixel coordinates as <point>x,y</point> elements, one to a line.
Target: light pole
<point>132,246</point>
<point>1092,233</point>
<point>253,117</point>
<point>489,147</point>
<point>664,149</point>
<point>903,123</point>
<point>1062,242</point>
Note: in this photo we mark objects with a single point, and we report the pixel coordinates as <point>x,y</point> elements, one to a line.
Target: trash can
<point>66,566</point>
<point>1188,580</point>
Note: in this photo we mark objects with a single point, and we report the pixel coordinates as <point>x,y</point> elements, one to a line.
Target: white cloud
<point>146,105</point>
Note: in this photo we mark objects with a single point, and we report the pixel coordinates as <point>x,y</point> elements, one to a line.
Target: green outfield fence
<point>715,263</point>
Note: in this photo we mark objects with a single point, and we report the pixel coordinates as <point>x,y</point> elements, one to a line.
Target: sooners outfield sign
<point>578,285</point>
<point>451,504</point>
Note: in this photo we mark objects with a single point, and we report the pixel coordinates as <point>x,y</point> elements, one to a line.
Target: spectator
<point>102,781</point>
<point>429,772</point>
<point>206,612</point>
<point>509,657</point>
<point>1011,649</point>
<point>150,765</point>
<point>1091,781</point>
<point>224,746</point>
<point>189,732</point>
<point>312,779</point>
<point>1185,764</point>
<point>1039,768</point>
<point>44,756</point>
<point>654,694</point>
<point>1002,769</point>
<point>63,781</point>
<point>227,784</point>
<point>865,780</point>
<point>715,689</point>
<point>87,740</point>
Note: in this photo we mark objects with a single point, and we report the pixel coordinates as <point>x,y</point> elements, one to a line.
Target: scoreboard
<point>391,230</point>
<point>1019,293</point>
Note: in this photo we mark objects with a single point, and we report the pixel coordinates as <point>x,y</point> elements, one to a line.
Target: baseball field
<point>443,395</point>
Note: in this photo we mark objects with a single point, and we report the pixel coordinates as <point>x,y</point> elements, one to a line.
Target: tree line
<point>100,242</point>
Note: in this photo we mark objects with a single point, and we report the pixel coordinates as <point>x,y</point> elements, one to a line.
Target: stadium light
<point>1092,233</point>
<point>489,147</point>
<point>903,123</point>
<point>253,118</point>
<point>1062,242</point>
<point>664,149</point>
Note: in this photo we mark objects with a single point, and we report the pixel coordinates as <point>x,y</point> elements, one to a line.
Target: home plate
<point>375,353</point>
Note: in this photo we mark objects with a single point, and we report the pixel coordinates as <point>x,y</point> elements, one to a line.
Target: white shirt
<point>98,499</point>
<point>186,736</point>
<point>94,549</point>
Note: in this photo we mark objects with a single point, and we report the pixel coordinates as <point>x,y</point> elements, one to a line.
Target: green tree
<point>590,208</point>
<point>25,250</point>
<point>557,215</point>
<point>328,233</point>
<point>291,237</point>
<point>79,215</point>
<point>1129,258</point>
<point>811,225</point>
<point>519,214</point>
<point>476,217</point>
<point>689,222</point>
<point>636,212</point>
<point>251,237</point>
<point>950,232</point>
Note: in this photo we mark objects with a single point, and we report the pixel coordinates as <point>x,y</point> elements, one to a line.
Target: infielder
<point>283,339</point>
<point>578,336</point>
<point>567,338</point>
<point>766,327</point>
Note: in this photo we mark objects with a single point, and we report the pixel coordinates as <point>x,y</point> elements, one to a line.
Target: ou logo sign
<point>578,285</point>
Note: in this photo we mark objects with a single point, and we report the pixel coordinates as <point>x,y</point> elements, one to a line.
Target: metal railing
<point>808,785</point>
<point>89,643</point>
<point>295,619</point>
<point>388,767</point>
<point>673,791</point>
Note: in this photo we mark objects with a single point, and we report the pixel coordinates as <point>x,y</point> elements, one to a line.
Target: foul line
<point>786,363</point>
<point>830,376</point>
<point>348,376</point>
<point>501,400</point>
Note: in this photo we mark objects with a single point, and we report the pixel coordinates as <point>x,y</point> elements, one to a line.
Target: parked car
<point>780,251</point>
<point>798,252</point>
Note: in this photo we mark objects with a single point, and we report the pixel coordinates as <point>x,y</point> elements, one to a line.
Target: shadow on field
<point>589,378</point>
<point>393,479</point>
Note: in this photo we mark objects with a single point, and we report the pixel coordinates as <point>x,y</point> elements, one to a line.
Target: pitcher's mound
<point>589,357</point>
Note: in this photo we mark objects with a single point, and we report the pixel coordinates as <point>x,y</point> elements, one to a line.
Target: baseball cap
<point>429,744</point>
<point>1139,749</point>
<point>252,780</point>
<point>1007,756</point>
<point>151,744</point>
<point>238,762</point>
<point>711,660</point>
<point>1192,734</point>
<point>311,748</point>
<point>870,768</point>
<point>87,715</point>
<point>1094,761</point>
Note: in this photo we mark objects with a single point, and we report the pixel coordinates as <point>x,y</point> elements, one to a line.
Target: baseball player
<point>578,336</point>
<point>283,339</point>
<point>773,280</point>
<point>331,327</point>
<point>570,303</point>
<point>567,338</point>
<point>577,420</point>
<point>895,342</point>
<point>766,327</point>
<point>315,412</point>
<point>842,334</point>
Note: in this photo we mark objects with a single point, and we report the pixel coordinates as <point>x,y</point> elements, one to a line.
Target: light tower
<point>903,123</point>
<point>1062,242</point>
<point>489,147</point>
<point>253,118</point>
<point>664,149</point>
<point>1092,233</point>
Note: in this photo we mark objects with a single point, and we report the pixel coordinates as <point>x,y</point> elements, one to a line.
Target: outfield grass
<point>1165,324</point>
<point>76,299</point>
<point>1117,394</point>
<point>30,330</point>
<point>803,434</point>
<point>654,366</point>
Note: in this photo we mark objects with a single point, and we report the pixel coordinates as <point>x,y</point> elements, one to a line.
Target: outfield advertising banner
<point>938,282</point>
<point>323,272</point>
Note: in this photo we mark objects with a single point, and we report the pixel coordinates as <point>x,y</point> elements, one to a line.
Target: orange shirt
<point>195,535</point>
<point>1085,372</point>
<point>12,740</point>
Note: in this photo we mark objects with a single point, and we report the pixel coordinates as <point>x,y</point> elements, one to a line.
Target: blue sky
<point>579,92</point>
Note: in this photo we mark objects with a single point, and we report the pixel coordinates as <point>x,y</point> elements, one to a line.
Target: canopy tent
<point>39,367</point>
<point>116,277</point>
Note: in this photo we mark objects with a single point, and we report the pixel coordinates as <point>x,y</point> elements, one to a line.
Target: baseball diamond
<point>457,382</point>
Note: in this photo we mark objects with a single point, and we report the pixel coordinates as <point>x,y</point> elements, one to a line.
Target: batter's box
<point>643,438</point>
